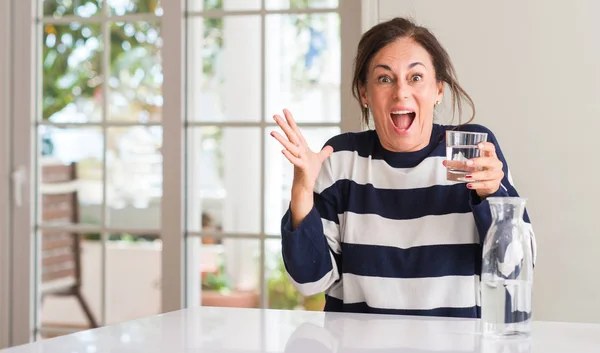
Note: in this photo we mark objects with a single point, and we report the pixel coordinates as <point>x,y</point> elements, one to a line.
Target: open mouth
<point>403,119</point>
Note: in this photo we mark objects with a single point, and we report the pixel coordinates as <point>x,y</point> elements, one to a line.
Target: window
<point>244,65</point>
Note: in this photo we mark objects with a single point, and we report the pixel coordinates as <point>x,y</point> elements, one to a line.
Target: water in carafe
<point>507,270</point>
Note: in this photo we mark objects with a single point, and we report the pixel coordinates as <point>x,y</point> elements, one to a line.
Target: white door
<point>87,163</point>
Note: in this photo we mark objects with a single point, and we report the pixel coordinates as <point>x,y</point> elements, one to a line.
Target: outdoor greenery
<point>218,281</point>
<point>72,57</point>
<point>283,295</point>
<point>72,53</point>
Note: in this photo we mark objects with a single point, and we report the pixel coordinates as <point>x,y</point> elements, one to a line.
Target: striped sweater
<point>389,234</point>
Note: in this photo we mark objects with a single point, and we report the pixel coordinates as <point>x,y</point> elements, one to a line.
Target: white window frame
<point>5,107</point>
<point>21,121</point>
<point>23,33</point>
<point>172,222</point>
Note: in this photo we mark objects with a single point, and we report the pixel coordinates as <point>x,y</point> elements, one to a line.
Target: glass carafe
<point>507,270</point>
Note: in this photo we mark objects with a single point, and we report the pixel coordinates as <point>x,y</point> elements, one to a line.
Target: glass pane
<point>230,272</point>
<point>136,74</point>
<point>124,7</point>
<point>228,5</point>
<point>224,76</point>
<point>304,61</point>
<point>72,73</point>
<point>82,8</point>
<point>279,173</point>
<point>223,180</point>
<point>71,172</point>
<point>134,177</point>
<point>281,293</point>
<point>300,4</point>
<point>63,256</point>
<point>133,277</point>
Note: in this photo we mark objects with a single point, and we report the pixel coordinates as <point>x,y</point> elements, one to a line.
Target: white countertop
<point>219,330</point>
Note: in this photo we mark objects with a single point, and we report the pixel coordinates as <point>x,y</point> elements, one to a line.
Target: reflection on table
<point>216,330</point>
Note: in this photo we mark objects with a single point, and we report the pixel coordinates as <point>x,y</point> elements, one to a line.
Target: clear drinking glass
<point>507,270</point>
<point>460,147</point>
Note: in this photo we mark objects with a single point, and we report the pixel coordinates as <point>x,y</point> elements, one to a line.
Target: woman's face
<point>401,92</point>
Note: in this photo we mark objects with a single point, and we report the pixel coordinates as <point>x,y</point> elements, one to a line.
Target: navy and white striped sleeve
<point>312,251</point>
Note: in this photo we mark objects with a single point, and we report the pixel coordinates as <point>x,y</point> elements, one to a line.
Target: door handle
<point>18,178</point>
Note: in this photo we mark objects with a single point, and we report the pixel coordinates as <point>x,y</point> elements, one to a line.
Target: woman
<point>373,222</point>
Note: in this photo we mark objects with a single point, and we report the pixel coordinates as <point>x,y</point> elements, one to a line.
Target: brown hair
<point>386,32</point>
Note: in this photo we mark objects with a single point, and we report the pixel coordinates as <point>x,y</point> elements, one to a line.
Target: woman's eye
<point>385,79</point>
<point>417,77</point>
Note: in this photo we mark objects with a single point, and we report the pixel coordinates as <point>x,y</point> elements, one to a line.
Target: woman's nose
<point>401,91</point>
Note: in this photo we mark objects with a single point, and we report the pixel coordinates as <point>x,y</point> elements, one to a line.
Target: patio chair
<point>60,250</point>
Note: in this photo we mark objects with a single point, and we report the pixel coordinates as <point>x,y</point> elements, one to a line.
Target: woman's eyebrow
<point>410,66</point>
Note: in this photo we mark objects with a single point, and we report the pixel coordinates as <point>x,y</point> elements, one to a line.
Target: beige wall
<point>533,69</point>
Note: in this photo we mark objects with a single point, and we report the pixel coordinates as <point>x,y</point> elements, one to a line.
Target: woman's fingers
<point>488,178</point>
<point>487,149</point>
<point>486,174</point>
<point>480,163</point>
<point>295,150</point>
<point>485,168</point>
<point>325,153</point>
<point>293,159</point>
<point>289,132</point>
<point>292,123</point>
<point>489,186</point>
<point>458,165</point>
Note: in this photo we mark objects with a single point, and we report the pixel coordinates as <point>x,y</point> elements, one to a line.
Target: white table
<point>212,330</point>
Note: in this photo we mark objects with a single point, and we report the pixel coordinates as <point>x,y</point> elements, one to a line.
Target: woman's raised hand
<point>307,164</point>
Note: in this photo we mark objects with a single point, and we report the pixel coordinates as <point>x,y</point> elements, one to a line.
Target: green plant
<point>283,294</point>
<point>218,281</point>
<point>117,237</point>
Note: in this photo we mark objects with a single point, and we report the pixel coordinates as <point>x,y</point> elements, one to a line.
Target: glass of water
<point>460,147</point>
